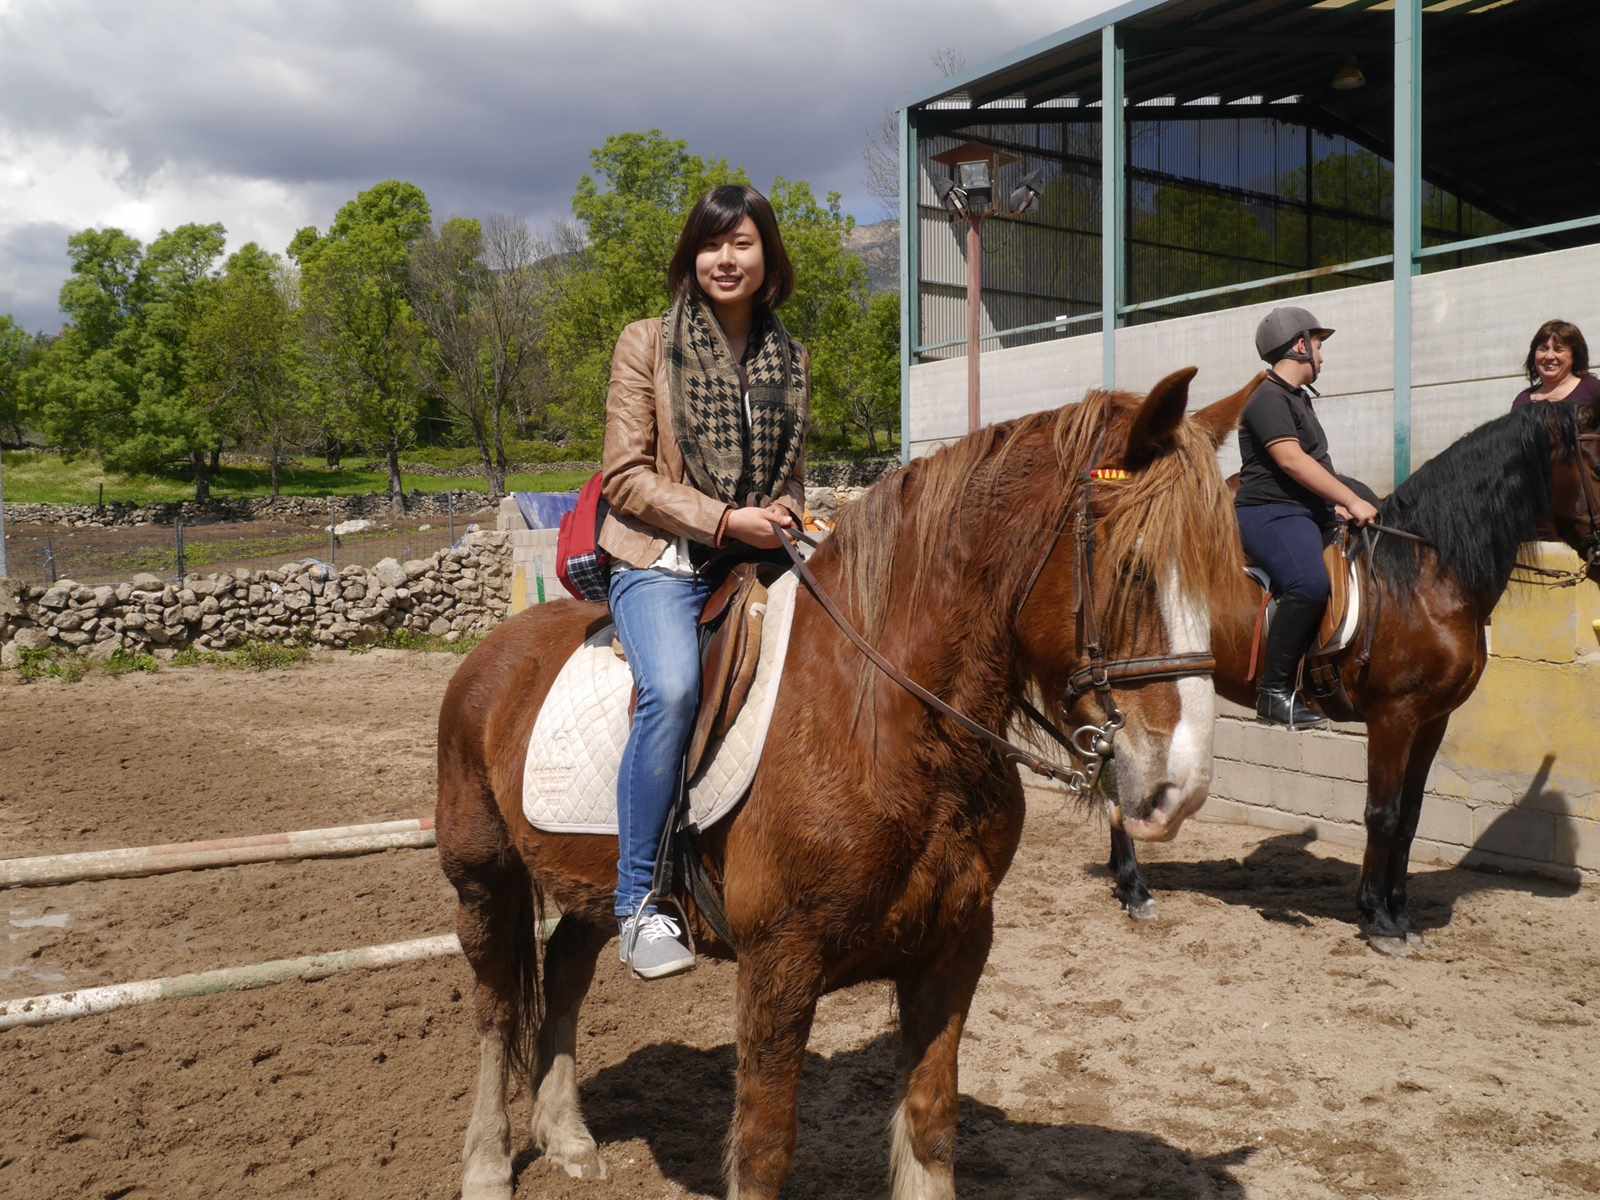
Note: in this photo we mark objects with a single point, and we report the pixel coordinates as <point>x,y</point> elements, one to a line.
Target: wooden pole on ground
<point>88,1002</point>
<point>338,842</point>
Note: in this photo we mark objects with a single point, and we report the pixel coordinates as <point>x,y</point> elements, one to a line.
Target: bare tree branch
<point>881,153</point>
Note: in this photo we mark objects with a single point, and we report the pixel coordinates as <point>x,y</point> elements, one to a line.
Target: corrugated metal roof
<point>1488,130</point>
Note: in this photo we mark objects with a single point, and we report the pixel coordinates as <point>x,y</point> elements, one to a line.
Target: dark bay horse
<point>876,831</point>
<point>1476,504</point>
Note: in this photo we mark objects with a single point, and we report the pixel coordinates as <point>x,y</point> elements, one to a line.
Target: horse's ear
<point>1222,418</point>
<point>1158,419</point>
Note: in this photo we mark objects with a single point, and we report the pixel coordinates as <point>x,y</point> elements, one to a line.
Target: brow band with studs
<point>1111,475</point>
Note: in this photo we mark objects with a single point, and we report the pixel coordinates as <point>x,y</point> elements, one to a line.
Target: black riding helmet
<point>1281,328</point>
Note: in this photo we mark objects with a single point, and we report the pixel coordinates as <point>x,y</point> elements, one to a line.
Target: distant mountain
<point>879,247</point>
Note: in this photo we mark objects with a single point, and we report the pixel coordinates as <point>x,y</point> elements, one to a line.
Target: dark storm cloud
<point>484,114</point>
<point>32,264</point>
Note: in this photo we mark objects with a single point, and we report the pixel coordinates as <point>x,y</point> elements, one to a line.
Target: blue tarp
<point>544,510</point>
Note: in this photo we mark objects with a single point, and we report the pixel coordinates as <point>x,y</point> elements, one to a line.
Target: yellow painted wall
<point>1526,746</point>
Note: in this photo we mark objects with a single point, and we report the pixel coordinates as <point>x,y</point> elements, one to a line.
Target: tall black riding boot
<point>1294,624</point>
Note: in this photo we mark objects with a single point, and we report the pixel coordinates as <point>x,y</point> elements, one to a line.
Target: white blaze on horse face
<point>1177,782</point>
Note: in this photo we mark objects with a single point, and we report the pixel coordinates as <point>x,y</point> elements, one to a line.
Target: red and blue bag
<point>582,566</point>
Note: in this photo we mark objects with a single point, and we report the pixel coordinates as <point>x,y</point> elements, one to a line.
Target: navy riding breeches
<point>1286,542</point>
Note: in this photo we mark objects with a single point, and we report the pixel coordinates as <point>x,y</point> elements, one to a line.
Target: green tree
<point>855,378</point>
<point>244,357</point>
<point>83,384</point>
<point>475,289</point>
<point>363,341</point>
<point>115,380</point>
<point>830,289</point>
<point>18,349</point>
<point>167,421</point>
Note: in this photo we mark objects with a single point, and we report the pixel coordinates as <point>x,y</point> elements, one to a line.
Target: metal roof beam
<point>1253,42</point>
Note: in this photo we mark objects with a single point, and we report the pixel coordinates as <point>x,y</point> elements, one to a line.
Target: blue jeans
<point>1284,541</point>
<point>657,614</point>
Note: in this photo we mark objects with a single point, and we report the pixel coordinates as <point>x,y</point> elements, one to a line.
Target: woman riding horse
<point>708,406</point>
<point>1448,548</point>
<point>878,824</point>
<point>1289,496</point>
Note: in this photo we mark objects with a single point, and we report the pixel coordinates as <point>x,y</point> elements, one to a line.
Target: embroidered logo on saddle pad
<point>569,782</point>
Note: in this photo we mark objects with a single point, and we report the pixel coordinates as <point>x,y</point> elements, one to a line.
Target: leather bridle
<point>1590,553</point>
<point>1589,481</point>
<point>1093,744</point>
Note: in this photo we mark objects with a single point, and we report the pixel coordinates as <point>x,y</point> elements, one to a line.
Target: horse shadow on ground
<point>679,1099</point>
<point>1288,884</point>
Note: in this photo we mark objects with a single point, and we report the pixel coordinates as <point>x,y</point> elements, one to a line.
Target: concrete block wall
<point>1470,333</point>
<point>1516,783</point>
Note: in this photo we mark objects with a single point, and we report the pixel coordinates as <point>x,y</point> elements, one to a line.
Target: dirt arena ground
<point>1243,1045</point>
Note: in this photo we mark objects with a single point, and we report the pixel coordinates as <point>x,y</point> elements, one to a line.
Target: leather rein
<point>1091,743</point>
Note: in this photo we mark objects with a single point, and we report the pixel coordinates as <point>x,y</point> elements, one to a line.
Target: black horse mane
<point>1477,502</point>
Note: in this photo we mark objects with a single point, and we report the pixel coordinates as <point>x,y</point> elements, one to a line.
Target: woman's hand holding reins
<point>753,525</point>
<point>1356,511</point>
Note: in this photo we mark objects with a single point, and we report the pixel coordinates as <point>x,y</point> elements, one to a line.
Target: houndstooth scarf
<point>721,456</point>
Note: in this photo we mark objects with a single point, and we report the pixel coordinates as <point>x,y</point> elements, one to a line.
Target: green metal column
<point>910,271</point>
<point>1113,197</point>
<point>1407,212</point>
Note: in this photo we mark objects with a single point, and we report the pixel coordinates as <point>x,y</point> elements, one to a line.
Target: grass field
<point>33,477</point>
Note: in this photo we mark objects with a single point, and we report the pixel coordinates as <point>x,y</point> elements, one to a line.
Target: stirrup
<point>1311,719</point>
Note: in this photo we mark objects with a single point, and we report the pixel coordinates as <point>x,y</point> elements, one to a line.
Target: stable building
<point>1422,175</point>
<point>1197,161</point>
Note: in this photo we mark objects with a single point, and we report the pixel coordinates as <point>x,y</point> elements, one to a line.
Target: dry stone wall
<point>462,590</point>
<point>262,508</point>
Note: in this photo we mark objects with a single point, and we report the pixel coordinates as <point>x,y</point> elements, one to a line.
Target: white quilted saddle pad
<point>569,783</point>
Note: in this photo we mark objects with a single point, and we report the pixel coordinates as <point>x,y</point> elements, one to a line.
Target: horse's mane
<point>966,526</point>
<point>1477,502</point>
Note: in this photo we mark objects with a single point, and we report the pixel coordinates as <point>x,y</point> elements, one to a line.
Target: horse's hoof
<point>1394,947</point>
<point>1414,939</point>
<point>1141,910</point>
<point>581,1165</point>
<point>486,1191</point>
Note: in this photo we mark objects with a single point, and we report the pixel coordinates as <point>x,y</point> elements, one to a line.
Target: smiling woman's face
<point>730,268</point>
<point>1553,361</point>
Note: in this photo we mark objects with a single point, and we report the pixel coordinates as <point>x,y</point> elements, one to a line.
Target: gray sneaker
<point>656,949</point>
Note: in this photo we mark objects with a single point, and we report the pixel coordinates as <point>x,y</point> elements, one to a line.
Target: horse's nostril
<point>1161,797</point>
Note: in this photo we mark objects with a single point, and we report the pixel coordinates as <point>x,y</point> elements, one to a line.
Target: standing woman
<point>704,454</point>
<point>1558,366</point>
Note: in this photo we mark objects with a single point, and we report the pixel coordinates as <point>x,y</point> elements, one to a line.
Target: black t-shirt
<point>1277,411</point>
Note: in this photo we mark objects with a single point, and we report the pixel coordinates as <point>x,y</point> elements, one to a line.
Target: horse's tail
<point>500,902</point>
<point>520,1031</point>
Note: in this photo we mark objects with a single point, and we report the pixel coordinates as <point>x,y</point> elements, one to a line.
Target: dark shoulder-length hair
<point>717,212</point>
<point>1563,333</point>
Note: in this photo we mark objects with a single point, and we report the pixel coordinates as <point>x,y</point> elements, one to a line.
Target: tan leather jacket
<point>643,466</point>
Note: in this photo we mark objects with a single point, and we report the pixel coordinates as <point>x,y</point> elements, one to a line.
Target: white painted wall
<point>1470,333</point>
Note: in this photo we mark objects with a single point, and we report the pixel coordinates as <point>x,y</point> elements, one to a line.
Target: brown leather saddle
<point>730,650</point>
<point>1319,671</point>
<point>1336,558</point>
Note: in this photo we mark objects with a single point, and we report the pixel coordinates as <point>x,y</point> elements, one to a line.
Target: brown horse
<point>876,831</point>
<point>1474,506</point>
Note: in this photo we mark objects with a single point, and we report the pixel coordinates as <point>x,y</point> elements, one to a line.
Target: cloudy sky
<point>267,115</point>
